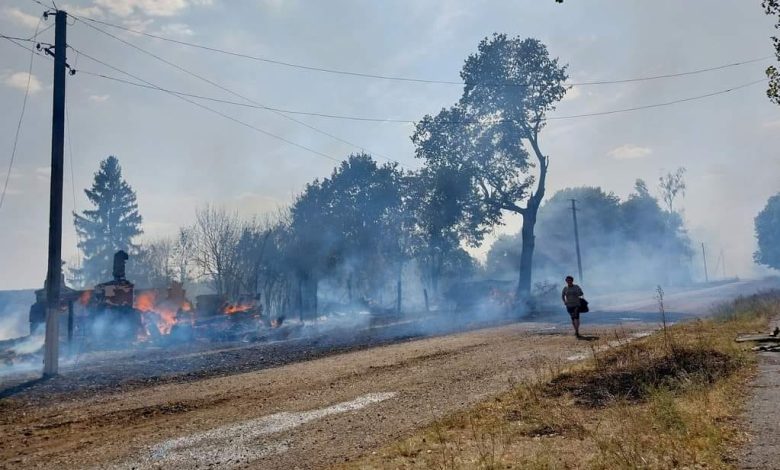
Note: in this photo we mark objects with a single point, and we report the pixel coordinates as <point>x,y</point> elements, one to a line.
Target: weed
<point>668,400</point>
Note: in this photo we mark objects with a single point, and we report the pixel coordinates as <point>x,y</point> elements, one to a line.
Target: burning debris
<point>116,313</point>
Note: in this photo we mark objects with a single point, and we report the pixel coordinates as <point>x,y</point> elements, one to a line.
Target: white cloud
<point>629,152</point>
<point>126,8</point>
<point>18,80</point>
<point>18,16</point>
<point>137,24</point>
<point>176,29</point>
<point>91,11</point>
<point>98,98</point>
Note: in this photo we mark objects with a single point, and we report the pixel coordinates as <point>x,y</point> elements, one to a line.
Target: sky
<point>179,157</point>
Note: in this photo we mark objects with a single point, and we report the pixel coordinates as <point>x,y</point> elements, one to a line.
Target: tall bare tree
<point>672,185</point>
<point>216,236</point>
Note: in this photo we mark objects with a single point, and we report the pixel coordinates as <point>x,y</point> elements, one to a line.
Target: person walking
<point>572,298</point>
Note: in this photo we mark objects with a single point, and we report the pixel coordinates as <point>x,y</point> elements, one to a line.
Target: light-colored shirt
<point>571,295</point>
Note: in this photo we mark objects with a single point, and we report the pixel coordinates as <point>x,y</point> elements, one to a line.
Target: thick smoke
<point>14,308</point>
<point>632,243</point>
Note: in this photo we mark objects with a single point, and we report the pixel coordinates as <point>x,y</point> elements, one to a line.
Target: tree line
<point>368,229</point>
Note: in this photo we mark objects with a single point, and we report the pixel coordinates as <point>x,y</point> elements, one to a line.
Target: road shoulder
<point>761,415</point>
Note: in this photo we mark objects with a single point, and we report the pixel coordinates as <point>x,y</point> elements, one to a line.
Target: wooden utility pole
<point>54,272</point>
<point>704,258</point>
<point>576,237</point>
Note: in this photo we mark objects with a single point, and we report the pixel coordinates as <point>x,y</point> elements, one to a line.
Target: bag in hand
<point>584,306</point>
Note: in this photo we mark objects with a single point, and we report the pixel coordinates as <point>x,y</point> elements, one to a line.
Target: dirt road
<point>304,415</point>
<point>309,414</point>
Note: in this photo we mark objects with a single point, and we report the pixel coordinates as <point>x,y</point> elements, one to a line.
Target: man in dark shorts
<point>571,295</point>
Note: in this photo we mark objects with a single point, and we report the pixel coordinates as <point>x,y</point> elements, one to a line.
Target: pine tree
<point>110,226</point>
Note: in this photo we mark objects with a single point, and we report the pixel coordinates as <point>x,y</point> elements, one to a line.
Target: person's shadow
<point>588,338</point>
<point>11,391</point>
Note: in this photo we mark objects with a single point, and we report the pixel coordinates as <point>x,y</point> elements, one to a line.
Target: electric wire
<point>410,121</point>
<point>407,79</point>
<point>47,7</point>
<point>21,118</point>
<point>212,110</point>
<point>70,155</point>
<point>659,105</point>
<point>72,175</point>
<point>232,92</point>
<point>31,38</point>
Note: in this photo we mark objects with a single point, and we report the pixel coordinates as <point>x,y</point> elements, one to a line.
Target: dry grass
<point>670,400</point>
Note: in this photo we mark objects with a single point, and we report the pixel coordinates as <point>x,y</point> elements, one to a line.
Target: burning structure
<point>116,313</point>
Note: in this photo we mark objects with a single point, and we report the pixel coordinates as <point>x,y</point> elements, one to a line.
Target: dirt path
<point>763,450</point>
<point>305,415</point>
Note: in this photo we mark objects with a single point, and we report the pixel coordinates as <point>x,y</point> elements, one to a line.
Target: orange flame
<point>145,301</point>
<point>165,311</point>
<point>85,297</point>
<point>231,309</point>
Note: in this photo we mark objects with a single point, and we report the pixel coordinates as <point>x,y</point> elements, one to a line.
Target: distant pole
<point>576,237</point>
<point>704,258</point>
<point>722,257</point>
<point>54,272</point>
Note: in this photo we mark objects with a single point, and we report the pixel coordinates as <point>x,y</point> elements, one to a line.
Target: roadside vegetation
<point>669,400</point>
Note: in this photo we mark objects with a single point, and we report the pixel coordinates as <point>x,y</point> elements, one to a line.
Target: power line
<point>226,116</point>
<point>47,7</point>
<point>31,38</point>
<point>21,115</point>
<point>245,105</point>
<point>658,105</point>
<point>234,93</point>
<point>70,155</point>
<point>406,79</point>
<point>409,121</point>
<point>404,121</point>
<point>72,175</point>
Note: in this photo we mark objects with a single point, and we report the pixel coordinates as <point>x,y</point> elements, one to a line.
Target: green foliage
<point>447,207</point>
<point>109,227</point>
<point>510,86</point>
<point>772,7</point>
<point>350,223</point>
<point>767,225</point>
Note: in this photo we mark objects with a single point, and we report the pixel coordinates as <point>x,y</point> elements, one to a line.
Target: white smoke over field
<point>14,313</point>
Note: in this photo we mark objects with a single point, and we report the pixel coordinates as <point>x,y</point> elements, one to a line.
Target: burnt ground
<point>143,367</point>
<point>301,403</point>
<point>308,414</point>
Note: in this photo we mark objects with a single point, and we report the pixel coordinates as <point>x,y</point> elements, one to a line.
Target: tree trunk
<point>315,294</point>
<point>529,222</point>
<point>349,293</point>
<point>526,254</point>
<point>300,298</point>
<point>398,289</point>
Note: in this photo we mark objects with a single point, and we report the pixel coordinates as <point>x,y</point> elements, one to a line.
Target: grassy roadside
<point>669,400</point>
